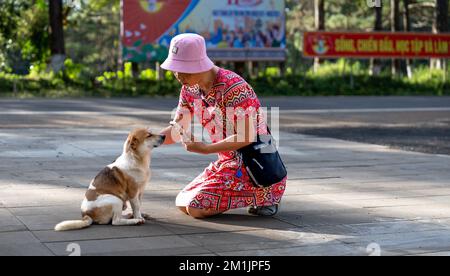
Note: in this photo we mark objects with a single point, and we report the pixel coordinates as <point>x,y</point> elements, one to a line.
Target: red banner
<point>376,45</point>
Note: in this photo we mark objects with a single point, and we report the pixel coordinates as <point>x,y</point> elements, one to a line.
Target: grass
<point>332,79</point>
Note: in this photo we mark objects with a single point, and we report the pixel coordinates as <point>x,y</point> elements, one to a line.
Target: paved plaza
<point>342,198</point>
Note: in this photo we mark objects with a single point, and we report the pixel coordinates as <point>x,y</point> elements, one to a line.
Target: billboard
<point>233,29</point>
<point>376,45</point>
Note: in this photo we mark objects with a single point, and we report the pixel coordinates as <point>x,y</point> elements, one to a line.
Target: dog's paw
<point>146,216</point>
<point>140,221</point>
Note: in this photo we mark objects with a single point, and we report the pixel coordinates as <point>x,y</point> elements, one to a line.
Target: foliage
<point>333,78</point>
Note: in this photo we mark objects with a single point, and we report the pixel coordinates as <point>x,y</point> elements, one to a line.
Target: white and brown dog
<point>122,181</point>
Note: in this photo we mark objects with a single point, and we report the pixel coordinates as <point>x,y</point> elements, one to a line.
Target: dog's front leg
<point>144,215</point>
<point>118,219</point>
<point>136,206</point>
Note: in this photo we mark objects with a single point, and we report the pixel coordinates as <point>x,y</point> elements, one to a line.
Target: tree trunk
<point>56,35</point>
<point>375,64</point>
<point>407,23</point>
<point>442,16</point>
<point>319,14</point>
<point>440,25</point>
<point>121,35</point>
<point>135,69</point>
<point>395,27</point>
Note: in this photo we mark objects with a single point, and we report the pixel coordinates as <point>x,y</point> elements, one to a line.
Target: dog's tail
<point>74,224</point>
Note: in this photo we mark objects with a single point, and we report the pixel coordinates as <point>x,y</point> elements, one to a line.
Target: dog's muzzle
<point>162,138</point>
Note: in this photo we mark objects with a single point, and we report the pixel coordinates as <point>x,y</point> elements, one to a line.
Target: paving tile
<point>9,223</point>
<point>165,245</point>
<point>22,243</point>
<point>100,232</point>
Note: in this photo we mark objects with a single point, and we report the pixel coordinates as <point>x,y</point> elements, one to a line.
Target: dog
<point>122,181</point>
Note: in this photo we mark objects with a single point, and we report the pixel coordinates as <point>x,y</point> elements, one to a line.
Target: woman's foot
<point>265,211</point>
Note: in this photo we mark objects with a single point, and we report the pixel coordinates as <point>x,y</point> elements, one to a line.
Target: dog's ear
<point>133,143</point>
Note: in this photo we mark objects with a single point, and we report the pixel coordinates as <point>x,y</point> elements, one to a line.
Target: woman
<point>210,92</point>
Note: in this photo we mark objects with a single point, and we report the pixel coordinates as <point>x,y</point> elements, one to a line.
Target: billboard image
<point>376,45</point>
<point>149,25</point>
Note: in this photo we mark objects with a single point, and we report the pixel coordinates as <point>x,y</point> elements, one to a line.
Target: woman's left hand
<point>196,147</point>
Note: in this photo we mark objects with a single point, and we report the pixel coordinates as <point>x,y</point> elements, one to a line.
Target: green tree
<point>93,35</point>
<point>10,17</point>
<point>34,34</point>
<point>319,22</point>
<point>396,26</point>
<point>57,45</point>
<point>408,28</point>
<point>23,34</point>
<point>440,25</point>
<point>375,64</point>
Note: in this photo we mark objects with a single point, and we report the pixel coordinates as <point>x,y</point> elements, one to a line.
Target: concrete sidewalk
<point>343,198</point>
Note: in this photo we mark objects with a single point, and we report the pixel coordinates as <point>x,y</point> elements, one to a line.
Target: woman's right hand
<point>169,137</point>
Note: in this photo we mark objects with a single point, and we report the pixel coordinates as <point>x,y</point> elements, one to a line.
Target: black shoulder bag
<point>263,162</point>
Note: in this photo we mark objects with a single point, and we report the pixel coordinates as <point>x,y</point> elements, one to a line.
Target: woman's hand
<point>188,141</point>
<point>235,142</point>
<point>196,147</point>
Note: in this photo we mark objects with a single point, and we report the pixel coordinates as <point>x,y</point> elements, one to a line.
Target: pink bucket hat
<point>187,54</point>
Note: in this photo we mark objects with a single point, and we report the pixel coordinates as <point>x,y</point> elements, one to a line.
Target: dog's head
<point>142,141</point>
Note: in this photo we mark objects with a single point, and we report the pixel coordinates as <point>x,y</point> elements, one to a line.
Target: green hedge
<point>343,86</point>
<point>332,79</point>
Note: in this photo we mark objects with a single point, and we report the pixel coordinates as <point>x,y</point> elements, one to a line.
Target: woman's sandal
<point>265,211</point>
